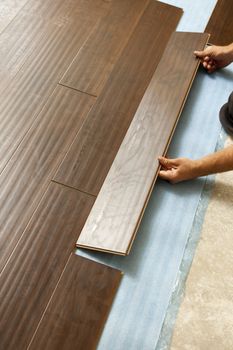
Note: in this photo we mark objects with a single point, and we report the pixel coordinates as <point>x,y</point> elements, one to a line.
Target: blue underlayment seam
<point>179,288</point>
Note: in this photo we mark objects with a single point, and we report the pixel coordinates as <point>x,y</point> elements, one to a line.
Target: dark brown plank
<point>29,30</point>
<point>118,209</point>
<point>27,175</point>
<point>220,23</point>
<point>61,12</point>
<point>78,310</point>
<point>26,94</point>
<point>94,62</point>
<point>33,270</point>
<point>91,155</point>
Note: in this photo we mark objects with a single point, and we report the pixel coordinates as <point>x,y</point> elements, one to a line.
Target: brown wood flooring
<point>97,143</point>
<point>28,174</point>
<point>33,270</point>
<point>109,38</point>
<point>53,133</point>
<point>117,212</point>
<point>220,23</point>
<point>82,299</point>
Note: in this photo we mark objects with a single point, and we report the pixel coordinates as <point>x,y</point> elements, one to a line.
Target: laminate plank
<point>23,99</point>
<point>28,31</point>
<point>117,212</point>
<point>220,23</point>
<point>91,155</point>
<point>33,270</point>
<point>23,35</point>
<point>62,12</point>
<point>79,307</point>
<point>27,175</point>
<point>94,62</point>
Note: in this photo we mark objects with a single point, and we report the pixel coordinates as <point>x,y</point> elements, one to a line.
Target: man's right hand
<point>214,57</point>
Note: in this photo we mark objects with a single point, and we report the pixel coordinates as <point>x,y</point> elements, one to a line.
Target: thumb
<point>166,162</point>
<point>201,54</point>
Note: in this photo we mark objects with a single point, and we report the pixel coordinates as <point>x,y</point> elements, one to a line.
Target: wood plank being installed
<point>220,23</point>
<point>78,310</point>
<point>91,155</point>
<point>26,177</point>
<point>96,59</point>
<point>27,93</point>
<point>117,212</point>
<point>33,270</point>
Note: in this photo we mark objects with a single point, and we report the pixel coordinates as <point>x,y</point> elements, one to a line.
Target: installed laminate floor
<point>27,175</point>
<point>34,268</point>
<point>103,47</point>
<point>79,307</point>
<point>90,157</point>
<point>42,44</point>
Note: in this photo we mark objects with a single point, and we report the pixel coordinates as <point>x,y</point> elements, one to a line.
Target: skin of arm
<point>214,57</point>
<point>180,169</point>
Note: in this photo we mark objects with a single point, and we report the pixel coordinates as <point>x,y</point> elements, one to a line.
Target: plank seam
<point>73,188</point>
<point>49,301</point>
<point>72,88</point>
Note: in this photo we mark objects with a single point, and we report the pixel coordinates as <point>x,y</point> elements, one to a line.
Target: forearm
<point>214,163</point>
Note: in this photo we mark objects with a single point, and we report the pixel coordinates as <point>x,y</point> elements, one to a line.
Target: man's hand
<point>179,169</point>
<point>176,170</point>
<point>214,57</point>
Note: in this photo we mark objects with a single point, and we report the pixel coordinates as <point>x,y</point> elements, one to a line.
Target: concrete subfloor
<point>205,317</point>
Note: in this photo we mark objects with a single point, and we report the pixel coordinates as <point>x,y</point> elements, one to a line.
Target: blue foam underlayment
<point>152,268</point>
<point>178,292</point>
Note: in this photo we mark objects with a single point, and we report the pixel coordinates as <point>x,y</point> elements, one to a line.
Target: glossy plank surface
<point>33,271</point>
<point>77,312</point>
<point>220,25</point>
<point>30,170</point>
<point>116,214</point>
<point>94,62</point>
<point>25,96</point>
<point>91,155</point>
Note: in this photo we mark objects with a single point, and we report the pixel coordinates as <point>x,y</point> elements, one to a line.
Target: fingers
<point>166,175</point>
<point>208,63</point>
<point>200,54</point>
<point>167,163</point>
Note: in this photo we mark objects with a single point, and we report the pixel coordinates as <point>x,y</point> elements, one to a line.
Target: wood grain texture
<point>29,30</point>
<point>68,11</point>
<point>117,212</point>
<point>91,155</point>
<point>27,93</point>
<point>77,312</point>
<point>94,62</point>
<point>33,270</point>
<point>220,23</point>
<point>27,175</point>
